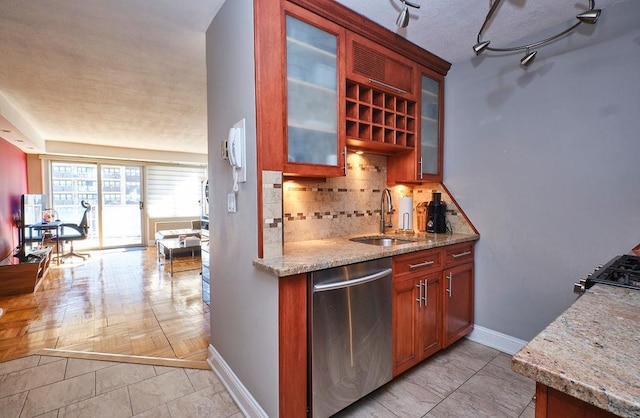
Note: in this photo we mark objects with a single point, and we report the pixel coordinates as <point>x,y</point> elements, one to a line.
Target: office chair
<point>78,232</point>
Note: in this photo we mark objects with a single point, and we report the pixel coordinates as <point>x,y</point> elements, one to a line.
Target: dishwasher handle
<point>351,283</point>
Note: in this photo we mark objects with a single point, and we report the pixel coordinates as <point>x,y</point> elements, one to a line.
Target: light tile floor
<point>466,380</point>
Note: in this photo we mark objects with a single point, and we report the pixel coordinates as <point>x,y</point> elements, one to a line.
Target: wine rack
<point>379,120</point>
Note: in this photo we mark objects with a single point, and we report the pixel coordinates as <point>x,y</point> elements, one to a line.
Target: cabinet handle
<point>449,276</point>
<point>424,263</point>
<point>419,300</point>
<point>462,254</point>
<point>420,170</point>
<point>425,292</point>
<point>389,86</point>
<point>344,152</point>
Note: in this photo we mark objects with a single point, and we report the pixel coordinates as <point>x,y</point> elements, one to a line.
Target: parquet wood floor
<point>116,302</point>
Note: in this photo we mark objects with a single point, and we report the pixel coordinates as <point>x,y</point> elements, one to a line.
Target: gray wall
<point>546,164</point>
<point>244,301</point>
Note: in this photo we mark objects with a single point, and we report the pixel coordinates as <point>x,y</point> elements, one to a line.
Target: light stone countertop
<point>591,351</point>
<point>307,256</point>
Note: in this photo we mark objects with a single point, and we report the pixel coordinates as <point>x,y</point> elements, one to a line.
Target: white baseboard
<point>246,402</point>
<point>495,339</point>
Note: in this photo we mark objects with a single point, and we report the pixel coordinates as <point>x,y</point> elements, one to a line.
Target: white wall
<point>546,164</point>
<point>244,309</point>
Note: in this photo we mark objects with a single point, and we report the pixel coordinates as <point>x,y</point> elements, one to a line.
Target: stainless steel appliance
<point>350,350</point>
<point>623,270</point>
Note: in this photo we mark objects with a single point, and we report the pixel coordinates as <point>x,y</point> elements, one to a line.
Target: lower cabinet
<point>551,403</point>
<point>417,322</point>
<point>458,303</point>
<point>432,307</point>
<point>433,304</point>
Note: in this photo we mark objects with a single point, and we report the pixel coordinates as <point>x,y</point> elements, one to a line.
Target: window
<point>174,191</point>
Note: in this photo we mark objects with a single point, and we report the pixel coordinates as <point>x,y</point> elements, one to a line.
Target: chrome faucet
<point>386,193</point>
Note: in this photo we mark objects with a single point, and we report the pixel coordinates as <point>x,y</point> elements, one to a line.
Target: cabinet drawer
<point>421,261</point>
<point>458,254</point>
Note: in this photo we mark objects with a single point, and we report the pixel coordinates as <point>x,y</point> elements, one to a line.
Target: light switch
<point>231,203</point>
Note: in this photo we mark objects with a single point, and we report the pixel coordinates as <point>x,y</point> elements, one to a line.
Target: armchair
<point>75,232</point>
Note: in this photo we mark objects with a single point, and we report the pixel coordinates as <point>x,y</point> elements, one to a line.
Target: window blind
<point>174,191</point>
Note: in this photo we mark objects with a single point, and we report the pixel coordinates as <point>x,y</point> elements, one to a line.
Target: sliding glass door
<point>121,192</point>
<point>114,192</point>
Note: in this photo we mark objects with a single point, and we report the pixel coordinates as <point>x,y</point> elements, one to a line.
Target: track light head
<point>590,16</point>
<point>480,47</point>
<point>528,58</point>
<point>403,18</point>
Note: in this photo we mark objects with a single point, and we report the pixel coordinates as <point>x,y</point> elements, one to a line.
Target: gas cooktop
<point>623,271</point>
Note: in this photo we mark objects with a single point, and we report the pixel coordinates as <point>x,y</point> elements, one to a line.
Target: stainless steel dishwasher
<point>350,334</point>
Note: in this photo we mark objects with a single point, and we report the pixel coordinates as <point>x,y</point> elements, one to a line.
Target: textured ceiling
<point>132,73</point>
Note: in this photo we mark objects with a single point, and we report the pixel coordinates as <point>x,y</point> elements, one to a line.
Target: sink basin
<point>381,241</point>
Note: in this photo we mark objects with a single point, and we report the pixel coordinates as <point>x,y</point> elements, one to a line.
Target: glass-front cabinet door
<point>430,164</point>
<point>425,162</point>
<point>314,143</point>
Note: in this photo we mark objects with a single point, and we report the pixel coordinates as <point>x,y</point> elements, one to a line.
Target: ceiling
<point>123,73</point>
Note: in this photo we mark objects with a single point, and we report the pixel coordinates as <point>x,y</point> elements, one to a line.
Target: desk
<point>45,227</point>
<point>164,246</point>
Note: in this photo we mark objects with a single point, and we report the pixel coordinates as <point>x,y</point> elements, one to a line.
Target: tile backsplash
<point>342,206</point>
<point>339,206</point>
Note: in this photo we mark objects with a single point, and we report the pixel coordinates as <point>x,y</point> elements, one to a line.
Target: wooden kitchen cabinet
<point>457,303</point>
<point>417,308</point>
<point>327,78</point>
<point>416,320</point>
<point>551,403</point>
<point>425,162</point>
<point>314,73</point>
<point>373,65</point>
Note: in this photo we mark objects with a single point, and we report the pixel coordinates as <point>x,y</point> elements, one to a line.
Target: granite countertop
<point>590,352</point>
<point>307,256</point>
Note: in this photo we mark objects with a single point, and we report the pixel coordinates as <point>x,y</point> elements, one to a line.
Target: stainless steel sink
<point>381,241</point>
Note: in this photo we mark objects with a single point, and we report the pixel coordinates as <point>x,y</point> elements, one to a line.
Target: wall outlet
<point>231,203</point>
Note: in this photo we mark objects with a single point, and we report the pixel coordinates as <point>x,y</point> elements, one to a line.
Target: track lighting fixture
<point>403,18</point>
<point>590,16</point>
<point>528,58</point>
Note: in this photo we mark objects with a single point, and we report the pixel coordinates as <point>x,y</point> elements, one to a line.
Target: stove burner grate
<point>621,271</point>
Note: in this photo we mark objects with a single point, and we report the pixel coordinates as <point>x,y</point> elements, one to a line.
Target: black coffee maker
<point>436,217</point>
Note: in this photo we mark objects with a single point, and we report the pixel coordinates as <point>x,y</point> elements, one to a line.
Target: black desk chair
<point>76,232</point>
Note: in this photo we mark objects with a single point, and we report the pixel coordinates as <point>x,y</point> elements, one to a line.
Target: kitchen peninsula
<point>586,362</point>
<point>441,262</point>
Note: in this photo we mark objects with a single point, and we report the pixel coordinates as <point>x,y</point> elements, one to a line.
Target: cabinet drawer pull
<point>424,263</point>
<point>389,86</point>
<point>461,254</point>
<point>425,292</point>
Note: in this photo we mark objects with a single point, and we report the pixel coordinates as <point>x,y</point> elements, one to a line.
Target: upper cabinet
<point>381,108</point>
<point>430,164</point>
<point>425,163</point>
<point>312,95</point>
<point>328,78</point>
<point>373,65</point>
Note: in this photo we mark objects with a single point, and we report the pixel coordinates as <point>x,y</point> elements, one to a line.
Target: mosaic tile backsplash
<point>351,205</point>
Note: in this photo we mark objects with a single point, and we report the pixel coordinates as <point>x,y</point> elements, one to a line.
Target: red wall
<point>13,183</point>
